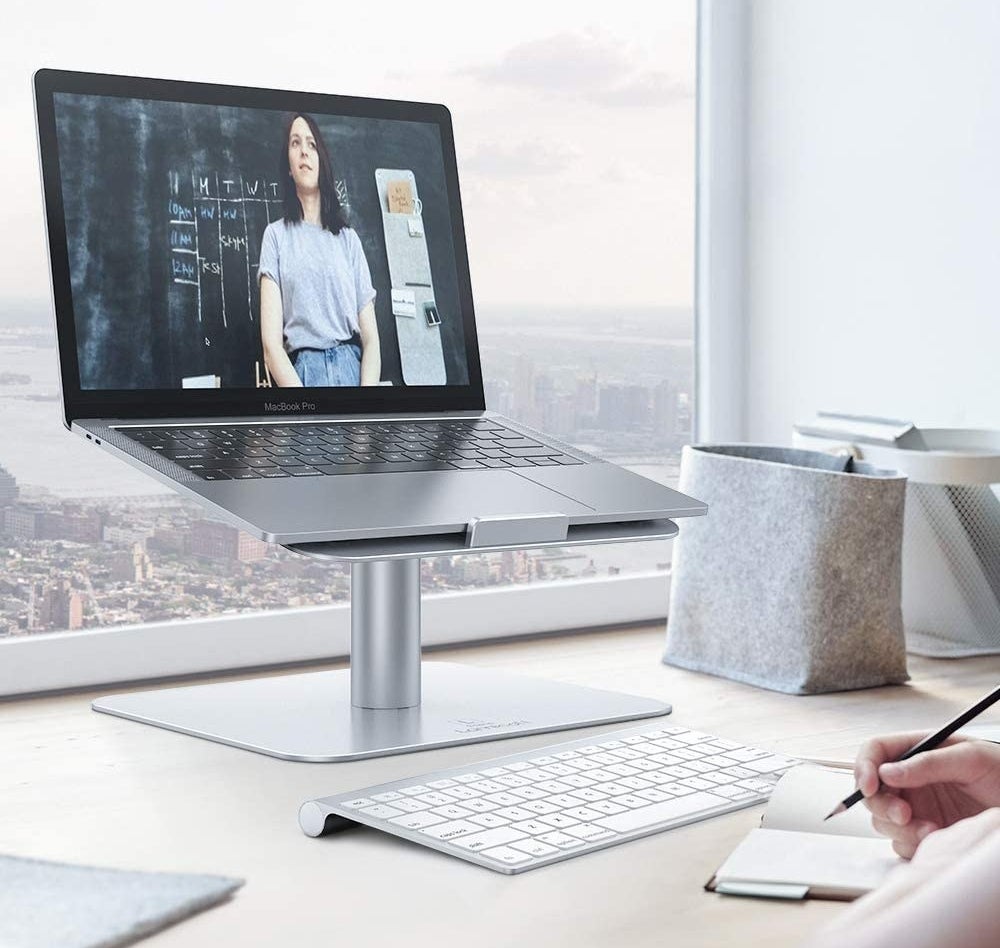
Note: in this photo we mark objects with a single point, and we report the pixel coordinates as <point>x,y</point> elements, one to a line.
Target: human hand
<point>942,849</point>
<point>930,791</point>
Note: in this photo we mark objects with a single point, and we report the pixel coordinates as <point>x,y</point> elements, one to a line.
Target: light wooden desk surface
<point>85,787</point>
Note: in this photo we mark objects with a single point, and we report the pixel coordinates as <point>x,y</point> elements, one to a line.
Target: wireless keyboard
<point>531,809</point>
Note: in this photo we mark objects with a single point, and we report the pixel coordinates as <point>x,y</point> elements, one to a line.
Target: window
<point>576,149</point>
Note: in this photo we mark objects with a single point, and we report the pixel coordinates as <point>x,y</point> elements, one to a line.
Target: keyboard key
<point>635,783</point>
<point>451,830</point>
<point>558,786</point>
<point>410,805</point>
<point>529,793</point>
<point>532,827</point>
<point>631,801</point>
<point>697,783</point>
<point>451,812</point>
<point>534,847</point>
<point>512,780</point>
<point>654,795</point>
<point>515,813</point>
<point>608,808</point>
<point>590,833</point>
<point>488,839</point>
<point>435,798</point>
<point>648,816</point>
<point>558,821</point>
<point>561,840</point>
<point>359,804</point>
<point>461,793</point>
<point>584,813</point>
<point>478,806</point>
<point>381,811</point>
<point>542,807</point>
<point>506,855</point>
<point>489,820</point>
<point>588,794</point>
<point>416,821</point>
<point>504,799</point>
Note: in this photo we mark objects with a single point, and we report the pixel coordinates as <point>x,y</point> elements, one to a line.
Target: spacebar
<point>661,812</point>
<point>384,467</point>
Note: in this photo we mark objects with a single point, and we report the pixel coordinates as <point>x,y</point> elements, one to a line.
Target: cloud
<point>648,89</point>
<point>524,159</point>
<point>600,69</point>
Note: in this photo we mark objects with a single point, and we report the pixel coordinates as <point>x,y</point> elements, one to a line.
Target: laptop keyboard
<point>241,452</point>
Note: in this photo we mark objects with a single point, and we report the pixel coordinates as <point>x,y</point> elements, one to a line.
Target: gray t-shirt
<point>324,281</point>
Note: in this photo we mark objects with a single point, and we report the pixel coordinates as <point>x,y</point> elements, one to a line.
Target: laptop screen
<point>236,247</point>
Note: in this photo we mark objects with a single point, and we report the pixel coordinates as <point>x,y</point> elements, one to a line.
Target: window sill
<point>70,660</point>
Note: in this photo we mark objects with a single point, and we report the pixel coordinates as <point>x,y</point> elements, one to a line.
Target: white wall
<point>873,202</point>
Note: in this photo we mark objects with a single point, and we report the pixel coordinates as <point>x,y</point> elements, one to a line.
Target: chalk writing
<point>215,224</point>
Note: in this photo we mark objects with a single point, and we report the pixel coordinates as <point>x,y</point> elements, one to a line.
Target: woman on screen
<point>317,318</point>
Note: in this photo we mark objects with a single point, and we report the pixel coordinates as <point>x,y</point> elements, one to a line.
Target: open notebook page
<point>842,858</point>
<point>806,794</point>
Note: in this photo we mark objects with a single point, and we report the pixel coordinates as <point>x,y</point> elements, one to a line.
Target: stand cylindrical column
<point>385,634</point>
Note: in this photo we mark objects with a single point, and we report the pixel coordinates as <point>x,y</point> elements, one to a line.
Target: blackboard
<point>165,206</point>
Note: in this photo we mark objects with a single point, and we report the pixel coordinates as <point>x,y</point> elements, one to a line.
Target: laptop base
<point>309,717</point>
<point>388,702</point>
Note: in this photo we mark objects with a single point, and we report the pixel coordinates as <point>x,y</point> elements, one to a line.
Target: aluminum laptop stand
<point>388,702</point>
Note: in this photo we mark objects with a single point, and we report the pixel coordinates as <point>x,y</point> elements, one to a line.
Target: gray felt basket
<point>792,581</point>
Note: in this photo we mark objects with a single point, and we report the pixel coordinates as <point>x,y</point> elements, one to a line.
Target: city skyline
<point>616,382</point>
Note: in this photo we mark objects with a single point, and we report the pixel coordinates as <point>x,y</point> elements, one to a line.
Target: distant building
<point>75,523</point>
<point>8,488</point>
<point>219,541</point>
<point>171,540</point>
<point>24,522</point>
<point>55,606</point>
<point>126,536</point>
<point>586,399</point>
<point>665,408</point>
<point>133,566</point>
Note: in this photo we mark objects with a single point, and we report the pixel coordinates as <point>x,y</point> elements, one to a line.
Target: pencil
<point>928,743</point>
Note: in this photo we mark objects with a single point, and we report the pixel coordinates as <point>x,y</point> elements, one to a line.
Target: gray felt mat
<point>54,905</point>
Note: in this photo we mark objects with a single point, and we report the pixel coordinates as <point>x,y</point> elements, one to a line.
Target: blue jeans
<point>340,365</point>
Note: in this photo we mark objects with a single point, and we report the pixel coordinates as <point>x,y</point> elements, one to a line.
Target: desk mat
<point>55,905</point>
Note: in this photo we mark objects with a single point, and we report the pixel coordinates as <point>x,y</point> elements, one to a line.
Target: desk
<point>86,787</point>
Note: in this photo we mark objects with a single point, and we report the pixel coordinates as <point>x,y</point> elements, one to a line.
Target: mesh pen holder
<point>951,538</point>
<point>792,581</point>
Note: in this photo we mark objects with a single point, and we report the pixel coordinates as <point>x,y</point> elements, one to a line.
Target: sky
<point>574,122</point>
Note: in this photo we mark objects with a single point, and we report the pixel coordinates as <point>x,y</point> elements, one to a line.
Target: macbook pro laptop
<point>263,299</point>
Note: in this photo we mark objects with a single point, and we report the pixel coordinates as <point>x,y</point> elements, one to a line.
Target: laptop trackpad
<point>356,506</point>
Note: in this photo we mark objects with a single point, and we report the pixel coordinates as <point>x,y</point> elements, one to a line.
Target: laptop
<point>263,300</point>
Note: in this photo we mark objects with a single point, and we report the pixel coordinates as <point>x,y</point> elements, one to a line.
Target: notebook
<point>795,855</point>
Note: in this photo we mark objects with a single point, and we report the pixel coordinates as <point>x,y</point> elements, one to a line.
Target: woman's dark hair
<point>331,213</point>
